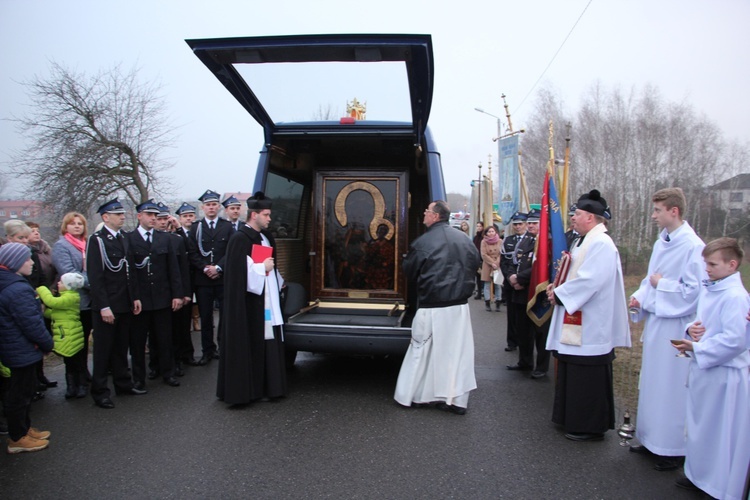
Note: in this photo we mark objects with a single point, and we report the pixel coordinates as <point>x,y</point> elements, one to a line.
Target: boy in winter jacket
<point>23,339</point>
<point>67,330</point>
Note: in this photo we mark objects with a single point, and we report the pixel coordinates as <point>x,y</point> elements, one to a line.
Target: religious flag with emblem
<point>508,178</point>
<point>550,245</point>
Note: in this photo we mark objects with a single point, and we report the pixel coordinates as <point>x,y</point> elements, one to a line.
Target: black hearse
<point>348,194</point>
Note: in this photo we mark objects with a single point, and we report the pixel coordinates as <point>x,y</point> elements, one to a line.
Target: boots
<point>81,388</point>
<point>487,306</point>
<point>72,388</point>
<point>478,295</point>
<point>497,305</point>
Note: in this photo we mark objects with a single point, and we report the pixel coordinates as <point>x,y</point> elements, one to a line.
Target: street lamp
<point>499,131</point>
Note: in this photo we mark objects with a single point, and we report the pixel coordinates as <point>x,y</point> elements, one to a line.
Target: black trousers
<point>206,296</point>
<point>88,325</point>
<point>111,342</point>
<point>182,343</point>
<point>524,335</point>
<point>21,388</point>
<point>156,326</point>
<point>512,336</point>
<point>75,365</point>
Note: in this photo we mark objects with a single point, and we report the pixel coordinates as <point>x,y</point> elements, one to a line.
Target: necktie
<point>148,237</point>
<point>211,225</point>
<point>667,238</point>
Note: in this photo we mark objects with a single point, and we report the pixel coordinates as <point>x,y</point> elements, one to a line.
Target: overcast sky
<point>692,50</point>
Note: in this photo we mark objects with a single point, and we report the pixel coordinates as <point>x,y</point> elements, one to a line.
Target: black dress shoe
<point>172,382</point>
<point>538,374</point>
<point>457,410</point>
<point>585,436</point>
<point>215,355</point>
<point>686,484</point>
<point>178,371</point>
<point>640,449</point>
<point>191,361</point>
<point>152,374</point>
<point>206,359</point>
<point>669,463</point>
<point>523,368</point>
<point>105,403</point>
<point>510,349</point>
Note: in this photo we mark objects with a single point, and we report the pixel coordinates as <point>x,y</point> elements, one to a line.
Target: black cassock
<point>250,367</point>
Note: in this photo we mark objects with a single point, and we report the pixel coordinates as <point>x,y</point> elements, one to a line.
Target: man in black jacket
<point>114,301</point>
<point>508,266</point>
<point>528,333</point>
<point>438,368</point>
<point>208,244</point>
<point>159,282</point>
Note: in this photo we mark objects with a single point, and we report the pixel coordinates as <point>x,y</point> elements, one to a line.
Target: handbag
<point>497,277</point>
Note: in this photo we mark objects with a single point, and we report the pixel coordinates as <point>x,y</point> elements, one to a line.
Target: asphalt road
<point>338,434</point>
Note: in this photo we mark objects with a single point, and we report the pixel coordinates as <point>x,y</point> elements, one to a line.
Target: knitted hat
<point>14,255</point>
<point>72,281</point>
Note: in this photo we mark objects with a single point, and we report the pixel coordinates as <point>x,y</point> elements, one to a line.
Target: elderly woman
<point>44,252</point>
<point>490,250</point>
<point>16,231</point>
<point>69,256</point>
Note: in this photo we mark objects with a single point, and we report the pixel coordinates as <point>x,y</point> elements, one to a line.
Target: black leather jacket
<point>443,263</point>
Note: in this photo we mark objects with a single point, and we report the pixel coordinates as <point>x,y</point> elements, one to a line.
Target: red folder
<point>261,253</point>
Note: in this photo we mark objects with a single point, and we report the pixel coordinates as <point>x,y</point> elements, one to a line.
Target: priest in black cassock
<point>251,360</point>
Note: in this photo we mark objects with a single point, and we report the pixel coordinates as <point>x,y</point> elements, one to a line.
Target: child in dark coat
<point>23,340</point>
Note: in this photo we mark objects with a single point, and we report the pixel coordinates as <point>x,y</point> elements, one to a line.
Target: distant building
<point>733,195</point>
<point>20,209</point>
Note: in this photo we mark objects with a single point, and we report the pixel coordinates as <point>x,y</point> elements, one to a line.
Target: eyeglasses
<point>429,210</point>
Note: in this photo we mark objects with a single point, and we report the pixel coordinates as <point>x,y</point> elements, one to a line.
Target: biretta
<point>258,202</point>
<point>593,202</point>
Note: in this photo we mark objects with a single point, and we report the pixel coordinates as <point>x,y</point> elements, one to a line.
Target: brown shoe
<point>37,434</point>
<point>26,443</point>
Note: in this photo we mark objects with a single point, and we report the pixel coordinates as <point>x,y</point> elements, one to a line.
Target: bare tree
<point>628,144</point>
<point>92,137</point>
<point>326,112</point>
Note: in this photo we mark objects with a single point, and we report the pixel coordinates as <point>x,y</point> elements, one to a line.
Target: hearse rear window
<point>316,91</point>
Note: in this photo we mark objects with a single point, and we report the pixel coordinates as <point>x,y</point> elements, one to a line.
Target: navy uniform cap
<point>572,209</point>
<point>111,207</point>
<point>209,196</point>
<point>185,208</point>
<point>534,215</point>
<point>148,206</point>
<point>163,209</point>
<point>518,217</point>
<point>231,201</point>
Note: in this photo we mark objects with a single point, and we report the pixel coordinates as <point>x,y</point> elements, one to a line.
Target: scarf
<point>79,244</point>
<point>492,240</point>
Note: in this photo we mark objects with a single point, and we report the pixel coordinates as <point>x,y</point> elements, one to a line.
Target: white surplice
<point>662,400</point>
<point>598,291</point>
<point>439,364</point>
<point>718,411</point>
<point>258,281</point>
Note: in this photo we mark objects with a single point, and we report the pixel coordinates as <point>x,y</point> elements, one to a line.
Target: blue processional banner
<point>508,179</point>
